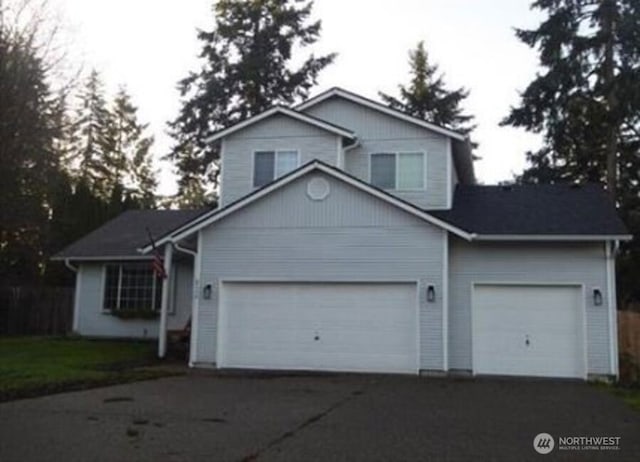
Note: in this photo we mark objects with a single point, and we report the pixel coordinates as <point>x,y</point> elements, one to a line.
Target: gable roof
<point>281,110</point>
<point>214,215</point>
<point>535,212</point>
<point>121,237</point>
<point>342,93</point>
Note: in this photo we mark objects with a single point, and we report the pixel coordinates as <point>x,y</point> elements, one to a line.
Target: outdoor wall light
<point>597,297</point>
<point>431,294</point>
<point>206,292</point>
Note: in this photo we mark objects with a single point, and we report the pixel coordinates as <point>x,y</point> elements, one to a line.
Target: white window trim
<point>172,306</point>
<point>397,154</point>
<point>275,164</point>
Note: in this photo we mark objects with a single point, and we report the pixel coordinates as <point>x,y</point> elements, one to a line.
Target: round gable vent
<point>318,189</point>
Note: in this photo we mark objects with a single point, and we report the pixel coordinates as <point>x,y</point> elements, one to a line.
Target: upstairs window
<point>401,171</point>
<point>269,165</point>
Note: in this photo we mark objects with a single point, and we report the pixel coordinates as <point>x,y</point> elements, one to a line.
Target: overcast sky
<point>149,45</point>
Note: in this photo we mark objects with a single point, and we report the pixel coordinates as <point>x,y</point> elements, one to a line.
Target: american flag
<point>158,262</point>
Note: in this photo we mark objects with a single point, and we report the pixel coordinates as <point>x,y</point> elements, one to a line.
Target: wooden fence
<point>36,310</point>
<point>629,345</point>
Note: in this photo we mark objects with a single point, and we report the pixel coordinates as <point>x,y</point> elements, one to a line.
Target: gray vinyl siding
<point>582,263</point>
<point>275,133</point>
<point>94,322</point>
<point>378,132</point>
<point>349,236</point>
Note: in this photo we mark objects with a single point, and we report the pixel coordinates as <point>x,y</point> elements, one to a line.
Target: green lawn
<point>31,366</point>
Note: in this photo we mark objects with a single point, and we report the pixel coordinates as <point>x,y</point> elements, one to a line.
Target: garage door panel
<point>528,330</point>
<point>343,326</point>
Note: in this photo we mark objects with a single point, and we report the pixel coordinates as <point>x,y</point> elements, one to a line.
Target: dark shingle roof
<point>550,210</point>
<point>122,236</point>
<point>558,209</point>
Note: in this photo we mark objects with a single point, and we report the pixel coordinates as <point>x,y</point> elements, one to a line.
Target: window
<point>398,170</point>
<point>269,165</point>
<point>132,287</point>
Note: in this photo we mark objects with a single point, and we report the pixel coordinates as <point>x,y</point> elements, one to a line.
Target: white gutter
<point>193,253</point>
<point>351,146</point>
<point>68,264</point>
<point>550,237</point>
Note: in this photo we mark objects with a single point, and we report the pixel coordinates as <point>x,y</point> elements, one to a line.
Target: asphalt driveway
<point>206,417</point>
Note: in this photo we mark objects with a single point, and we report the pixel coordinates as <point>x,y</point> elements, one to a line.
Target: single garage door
<point>368,327</point>
<point>528,330</point>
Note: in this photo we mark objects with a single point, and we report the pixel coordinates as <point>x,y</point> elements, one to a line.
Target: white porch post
<point>164,307</point>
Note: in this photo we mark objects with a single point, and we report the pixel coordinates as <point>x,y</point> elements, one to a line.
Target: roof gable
<point>218,214</point>
<point>361,100</point>
<point>305,118</point>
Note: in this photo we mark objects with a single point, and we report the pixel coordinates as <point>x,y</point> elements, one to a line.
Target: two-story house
<point>353,237</point>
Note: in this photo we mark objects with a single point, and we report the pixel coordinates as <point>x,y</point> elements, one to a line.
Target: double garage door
<point>368,327</point>
<point>373,327</point>
<point>528,330</point>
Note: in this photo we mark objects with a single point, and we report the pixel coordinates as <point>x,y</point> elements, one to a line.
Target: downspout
<point>611,250</point>
<point>76,296</point>
<point>342,151</point>
<point>196,290</point>
<point>353,145</point>
<point>68,264</point>
<point>193,253</point>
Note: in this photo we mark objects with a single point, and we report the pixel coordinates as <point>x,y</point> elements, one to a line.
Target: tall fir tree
<point>247,67</point>
<point>111,151</point>
<point>28,133</point>
<point>127,157</point>
<point>91,124</point>
<point>427,97</point>
<point>585,102</point>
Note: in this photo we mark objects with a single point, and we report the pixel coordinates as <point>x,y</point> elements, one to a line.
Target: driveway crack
<point>310,421</point>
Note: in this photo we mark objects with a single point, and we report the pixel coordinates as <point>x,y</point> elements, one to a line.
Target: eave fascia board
<point>104,258</point>
<point>379,107</point>
<point>553,237</point>
<point>284,111</point>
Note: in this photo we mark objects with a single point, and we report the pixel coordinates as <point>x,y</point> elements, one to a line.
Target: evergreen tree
<point>127,158</point>
<point>92,122</point>
<point>111,150</point>
<point>247,67</point>
<point>28,129</point>
<point>586,104</point>
<point>427,97</point>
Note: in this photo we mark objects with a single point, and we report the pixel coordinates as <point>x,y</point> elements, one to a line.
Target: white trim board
<point>195,303</point>
<point>612,311</point>
<point>286,112</point>
<point>378,107</point>
<point>550,237</point>
<point>445,301</point>
<point>106,258</point>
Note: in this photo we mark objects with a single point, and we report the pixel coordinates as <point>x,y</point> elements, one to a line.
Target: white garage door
<point>314,326</point>
<point>528,330</point>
